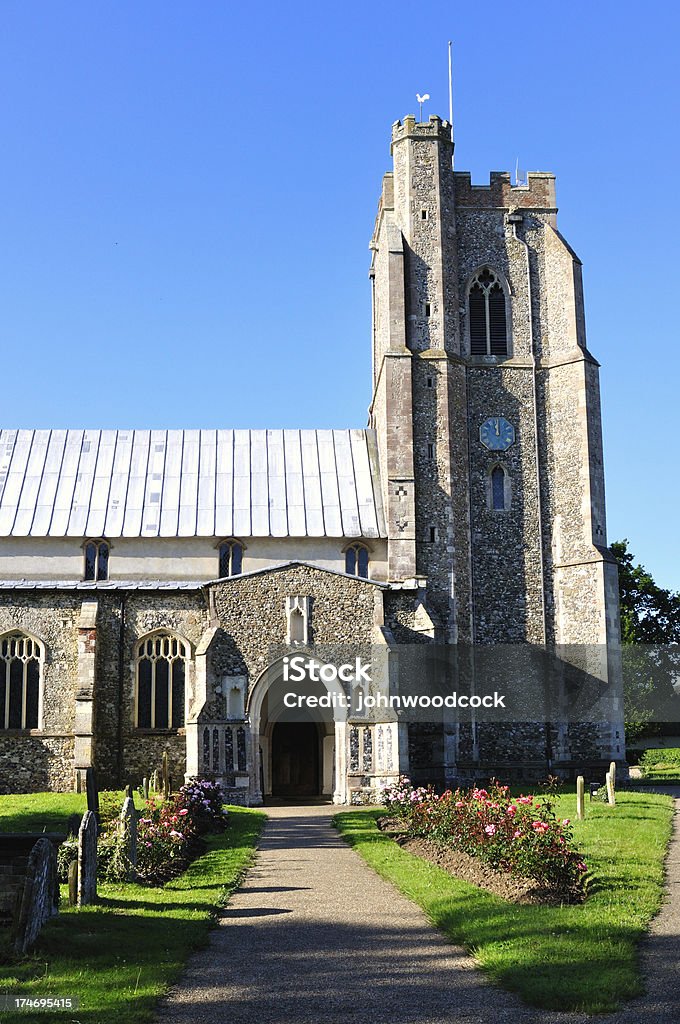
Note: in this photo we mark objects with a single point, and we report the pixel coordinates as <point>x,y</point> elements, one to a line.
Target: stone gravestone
<point>73,883</point>
<point>145,788</point>
<point>73,824</point>
<point>40,899</point>
<point>92,792</point>
<point>87,859</point>
<point>166,775</point>
<point>128,829</point>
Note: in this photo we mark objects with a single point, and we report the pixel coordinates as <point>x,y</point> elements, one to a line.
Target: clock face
<point>497,434</point>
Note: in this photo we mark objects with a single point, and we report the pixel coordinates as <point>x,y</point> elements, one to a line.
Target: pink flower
<point>566,821</point>
<point>511,811</point>
<point>184,811</point>
<point>581,866</point>
<point>525,800</point>
<point>516,834</point>
<point>459,803</point>
<point>490,830</point>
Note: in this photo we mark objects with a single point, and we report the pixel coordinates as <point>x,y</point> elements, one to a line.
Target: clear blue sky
<point>188,191</point>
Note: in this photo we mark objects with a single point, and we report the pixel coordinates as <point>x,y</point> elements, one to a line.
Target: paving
<point>314,935</point>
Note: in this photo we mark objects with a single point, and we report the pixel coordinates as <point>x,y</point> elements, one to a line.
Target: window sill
<point>160,732</point>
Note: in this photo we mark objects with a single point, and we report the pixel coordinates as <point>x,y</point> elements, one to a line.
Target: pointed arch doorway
<point>301,753</point>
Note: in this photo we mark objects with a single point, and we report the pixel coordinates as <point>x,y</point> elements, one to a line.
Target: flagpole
<point>450,91</point>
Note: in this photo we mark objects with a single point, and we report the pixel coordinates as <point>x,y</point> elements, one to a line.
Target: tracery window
<point>356,560</point>
<point>161,673</point>
<point>231,558</point>
<point>96,560</point>
<point>21,660</point>
<point>487,315</point>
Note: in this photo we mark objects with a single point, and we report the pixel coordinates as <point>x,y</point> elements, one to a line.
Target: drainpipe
<point>517,218</point>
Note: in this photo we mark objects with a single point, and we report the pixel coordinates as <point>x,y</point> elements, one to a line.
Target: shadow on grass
<point>575,957</point>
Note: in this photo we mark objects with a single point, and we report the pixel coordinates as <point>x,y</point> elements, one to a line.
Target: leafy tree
<point>650,615</point>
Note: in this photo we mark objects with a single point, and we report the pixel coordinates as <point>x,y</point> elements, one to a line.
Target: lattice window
<point>161,672</point>
<point>96,560</point>
<point>21,660</point>
<point>487,315</point>
<point>356,560</point>
<point>231,558</point>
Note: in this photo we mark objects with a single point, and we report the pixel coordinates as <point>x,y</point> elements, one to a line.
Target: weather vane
<point>421,100</point>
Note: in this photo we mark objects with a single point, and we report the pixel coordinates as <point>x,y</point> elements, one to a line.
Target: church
<point>151,579</point>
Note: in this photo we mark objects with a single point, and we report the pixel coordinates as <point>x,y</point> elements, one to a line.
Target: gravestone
<point>166,775</point>
<point>145,788</point>
<point>73,883</point>
<point>128,829</point>
<point>87,859</point>
<point>73,824</point>
<point>40,898</point>
<point>92,792</point>
<point>580,798</point>
<point>611,794</point>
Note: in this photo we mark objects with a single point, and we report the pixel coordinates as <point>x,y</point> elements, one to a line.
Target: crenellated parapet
<point>537,194</point>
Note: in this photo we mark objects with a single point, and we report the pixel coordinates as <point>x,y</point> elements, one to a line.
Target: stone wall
<point>251,612</point>
<point>43,759</point>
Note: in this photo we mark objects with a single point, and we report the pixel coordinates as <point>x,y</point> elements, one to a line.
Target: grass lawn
<point>120,955</point>
<point>579,957</point>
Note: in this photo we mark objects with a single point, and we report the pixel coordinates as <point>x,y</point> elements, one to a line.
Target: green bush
<point>662,755</point>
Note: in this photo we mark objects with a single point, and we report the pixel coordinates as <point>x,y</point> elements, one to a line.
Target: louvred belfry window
<point>20,664</point>
<point>487,315</point>
<point>161,671</point>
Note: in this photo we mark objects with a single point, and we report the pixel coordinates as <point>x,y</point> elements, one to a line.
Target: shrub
<point>521,835</point>
<point>202,803</point>
<point>401,798</point>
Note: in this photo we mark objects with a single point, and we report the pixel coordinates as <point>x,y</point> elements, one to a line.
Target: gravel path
<point>314,935</point>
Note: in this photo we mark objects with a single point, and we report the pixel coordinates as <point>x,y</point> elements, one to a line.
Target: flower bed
<point>168,836</point>
<point>520,835</point>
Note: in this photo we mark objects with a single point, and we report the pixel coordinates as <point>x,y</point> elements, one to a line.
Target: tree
<point>650,615</point>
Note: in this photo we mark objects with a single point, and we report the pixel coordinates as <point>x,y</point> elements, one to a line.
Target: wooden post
<point>580,798</point>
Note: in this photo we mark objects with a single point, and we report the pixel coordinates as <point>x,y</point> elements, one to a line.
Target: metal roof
<point>100,585</point>
<point>189,483</point>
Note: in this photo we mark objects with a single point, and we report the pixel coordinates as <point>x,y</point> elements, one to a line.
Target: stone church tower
<point>150,579</point>
<point>487,411</point>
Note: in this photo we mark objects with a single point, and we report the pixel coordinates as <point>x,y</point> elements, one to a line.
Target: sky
<point>189,189</point>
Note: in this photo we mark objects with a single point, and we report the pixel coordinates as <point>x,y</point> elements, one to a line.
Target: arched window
<point>20,671</point>
<point>486,309</point>
<point>231,558</point>
<point>499,495</point>
<point>356,560</point>
<point>161,671</point>
<point>96,560</point>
